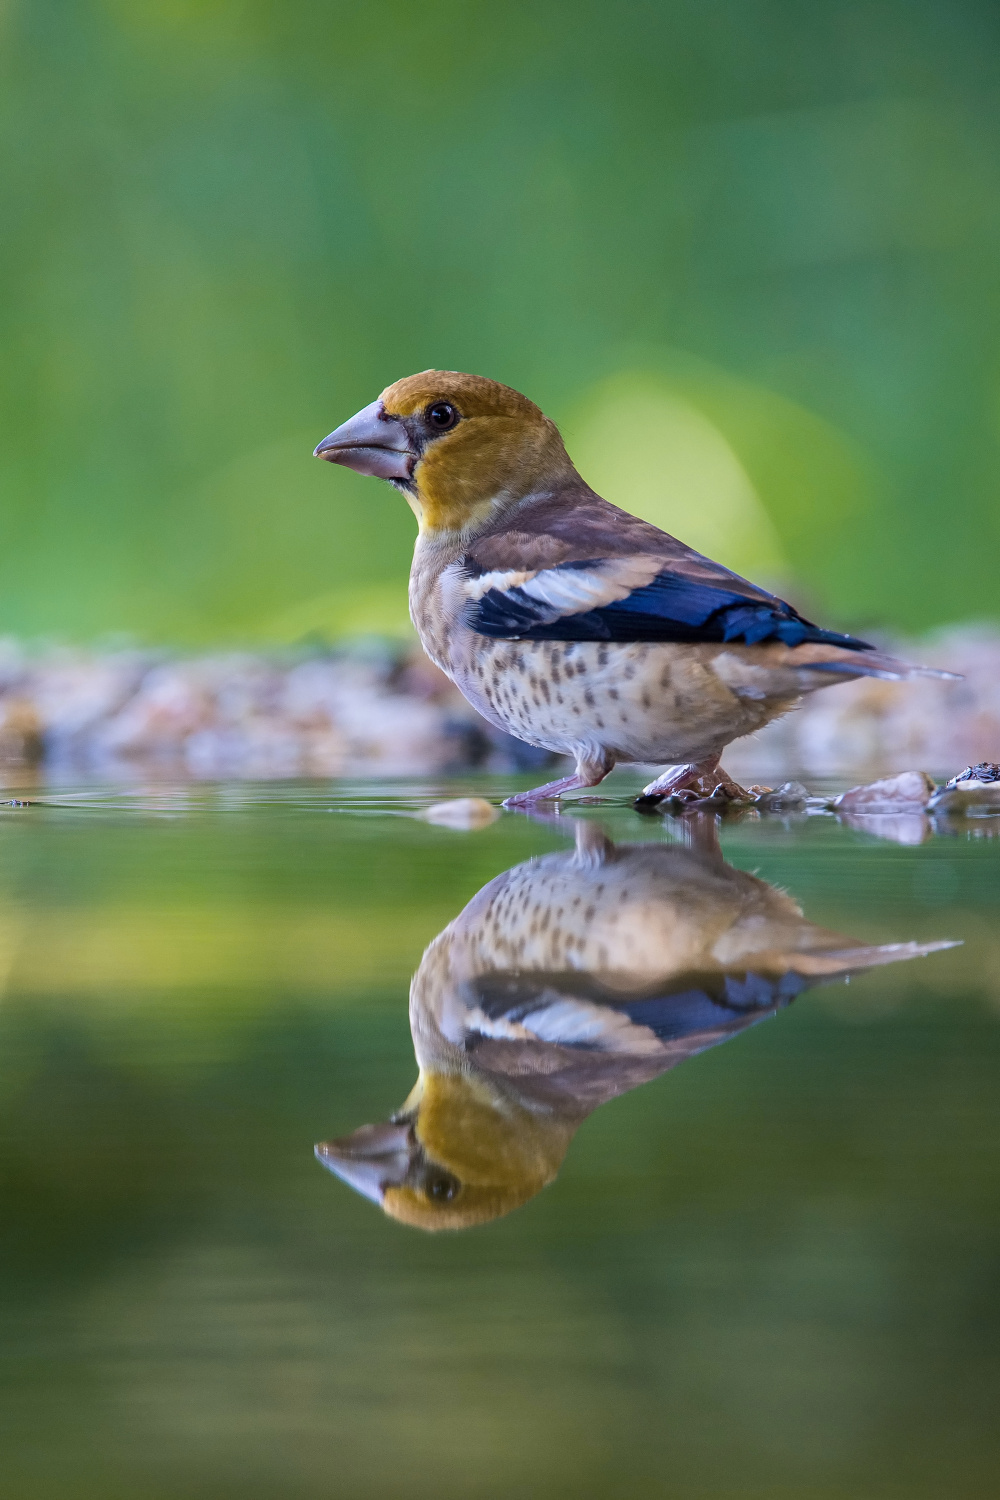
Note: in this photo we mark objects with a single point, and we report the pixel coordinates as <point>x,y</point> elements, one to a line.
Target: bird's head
<point>459,447</point>
<point>458,1153</point>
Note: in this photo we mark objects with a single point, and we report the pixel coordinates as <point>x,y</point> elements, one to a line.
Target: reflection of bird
<point>566,621</point>
<point>565,982</point>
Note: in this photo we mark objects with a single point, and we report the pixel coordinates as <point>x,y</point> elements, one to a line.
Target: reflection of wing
<point>576,977</point>
<point>579,1010</point>
<point>571,1041</point>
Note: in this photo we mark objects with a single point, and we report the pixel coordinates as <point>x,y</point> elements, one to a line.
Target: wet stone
<point>910,789</point>
<point>974,792</point>
<point>786,798</point>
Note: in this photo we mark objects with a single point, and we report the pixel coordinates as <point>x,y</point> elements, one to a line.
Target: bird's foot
<point>584,776</point>
<point>550,792</point>
<point>703,785</point>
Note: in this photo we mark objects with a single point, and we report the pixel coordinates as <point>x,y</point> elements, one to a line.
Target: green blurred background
<point>745,252</point>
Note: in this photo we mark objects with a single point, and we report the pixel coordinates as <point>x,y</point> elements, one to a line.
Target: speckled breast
<point>656,702</point>
<point>635,702</point>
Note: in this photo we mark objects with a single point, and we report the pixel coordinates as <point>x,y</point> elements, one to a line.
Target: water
<point>770,1272</point>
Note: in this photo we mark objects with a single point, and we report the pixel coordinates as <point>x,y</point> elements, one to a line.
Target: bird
<point>564,620</point>
<point>565,982</point>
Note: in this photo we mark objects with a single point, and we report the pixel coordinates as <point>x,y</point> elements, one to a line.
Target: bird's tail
<point>874,664</point>
<point>839,963</point>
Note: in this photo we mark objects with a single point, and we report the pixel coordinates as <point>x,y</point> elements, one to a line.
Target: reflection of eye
<point>442,1188</point>
<point>442,415</point>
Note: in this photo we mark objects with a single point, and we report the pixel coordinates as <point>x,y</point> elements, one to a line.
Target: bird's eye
<point>442,1188</point>
<point>442,415</point>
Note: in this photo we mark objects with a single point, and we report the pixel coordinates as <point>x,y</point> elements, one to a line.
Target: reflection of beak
<point>372,1159</point>
<point>371,443</point>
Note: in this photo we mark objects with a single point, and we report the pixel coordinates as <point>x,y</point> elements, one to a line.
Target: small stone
<point>974,792</point>
<point>986,772</point>
<point>792,794</point>
<point>465,813</point>
<point>911,789</point>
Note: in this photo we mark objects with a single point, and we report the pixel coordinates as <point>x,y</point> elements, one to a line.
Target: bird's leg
<point>593,846</point>
<point>587,773</point>
<point>592,841</point>
<point>673,779</point>
<point>692,782</point>
<point>700,832</point>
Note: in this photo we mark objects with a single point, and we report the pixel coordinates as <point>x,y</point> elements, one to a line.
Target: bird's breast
<point>636,700</point>
<point>651,701</point>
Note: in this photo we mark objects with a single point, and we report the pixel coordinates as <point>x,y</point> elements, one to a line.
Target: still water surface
<point>768,1268</point>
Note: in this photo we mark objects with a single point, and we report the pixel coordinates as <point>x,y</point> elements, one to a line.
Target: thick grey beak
<point>372,1159</point>
<point>371,443</point>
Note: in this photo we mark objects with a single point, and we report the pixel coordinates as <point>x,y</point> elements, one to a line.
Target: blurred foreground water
<point>770,1272</point>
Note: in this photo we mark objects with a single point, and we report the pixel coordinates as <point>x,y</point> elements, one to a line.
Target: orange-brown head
<point>458,1153</point>
<point>458,446</point>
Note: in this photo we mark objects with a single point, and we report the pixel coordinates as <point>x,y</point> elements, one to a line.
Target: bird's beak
<point>374,1158</point>
<point>371,443</point>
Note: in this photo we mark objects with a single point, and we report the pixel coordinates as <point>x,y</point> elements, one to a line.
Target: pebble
<point>973,793</point>
<point>786,798</point>
<point>974,778</point>
<point>465,813</point>
<point>910,790</point>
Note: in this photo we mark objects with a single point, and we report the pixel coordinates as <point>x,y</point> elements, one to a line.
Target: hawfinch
<point>565,982</point>
<point>568,622</point>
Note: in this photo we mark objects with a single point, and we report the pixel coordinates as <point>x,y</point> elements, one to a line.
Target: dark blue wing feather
<point>671,608</point>
<point>691,1005</point>
<point>675,1016</point>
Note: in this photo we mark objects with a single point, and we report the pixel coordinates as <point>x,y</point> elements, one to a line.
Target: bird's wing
<point>572,1043</point>
<point>630,599</point>
<point>589,572</point>
<point>578,1010</point>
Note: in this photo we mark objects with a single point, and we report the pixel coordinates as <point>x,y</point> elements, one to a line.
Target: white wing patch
<point>572,591</point>
<point>565,1021</point>
<point>502,579</point>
